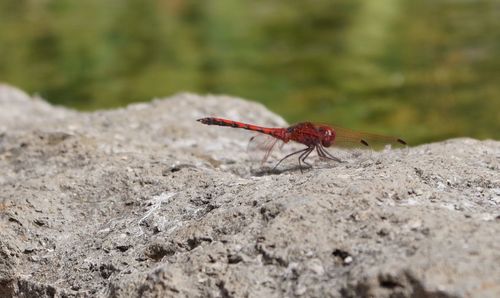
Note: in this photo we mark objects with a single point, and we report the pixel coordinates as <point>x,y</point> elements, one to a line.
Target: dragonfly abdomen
<point>275,132</point>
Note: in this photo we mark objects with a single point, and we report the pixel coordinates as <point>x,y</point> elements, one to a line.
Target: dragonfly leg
<point>291,154</point>
<point>326,154</point>
<point>320,153</point>
<point>304,155</point>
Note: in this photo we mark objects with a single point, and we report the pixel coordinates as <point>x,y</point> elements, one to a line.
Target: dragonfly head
<point>327,135</point>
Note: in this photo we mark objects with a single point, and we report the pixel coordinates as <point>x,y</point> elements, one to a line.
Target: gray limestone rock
<point>145,201</point>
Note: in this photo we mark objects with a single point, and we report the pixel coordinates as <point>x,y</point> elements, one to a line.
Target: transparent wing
<point>349,138</point>
<point>261,147</point>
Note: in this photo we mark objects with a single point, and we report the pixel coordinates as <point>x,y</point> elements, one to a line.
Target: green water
<point>426,70</point>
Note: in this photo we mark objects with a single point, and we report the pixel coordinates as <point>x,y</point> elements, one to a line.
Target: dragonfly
<point>316,137</point>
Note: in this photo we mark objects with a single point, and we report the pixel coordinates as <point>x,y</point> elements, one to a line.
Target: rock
<point>144,200</point>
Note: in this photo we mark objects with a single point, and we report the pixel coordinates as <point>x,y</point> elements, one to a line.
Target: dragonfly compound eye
<point>328,137</point>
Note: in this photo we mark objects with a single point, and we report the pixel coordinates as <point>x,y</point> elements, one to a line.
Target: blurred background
<point>426,70</point>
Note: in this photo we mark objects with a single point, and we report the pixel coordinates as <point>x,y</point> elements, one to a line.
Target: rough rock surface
<point>145,201</point>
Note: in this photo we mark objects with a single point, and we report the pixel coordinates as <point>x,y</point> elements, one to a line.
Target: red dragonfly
<point>314,136</point>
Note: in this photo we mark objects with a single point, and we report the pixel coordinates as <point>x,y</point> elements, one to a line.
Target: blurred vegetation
<point>426,70</point>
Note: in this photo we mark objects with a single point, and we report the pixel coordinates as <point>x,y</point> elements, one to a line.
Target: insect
<point>313,136</point>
